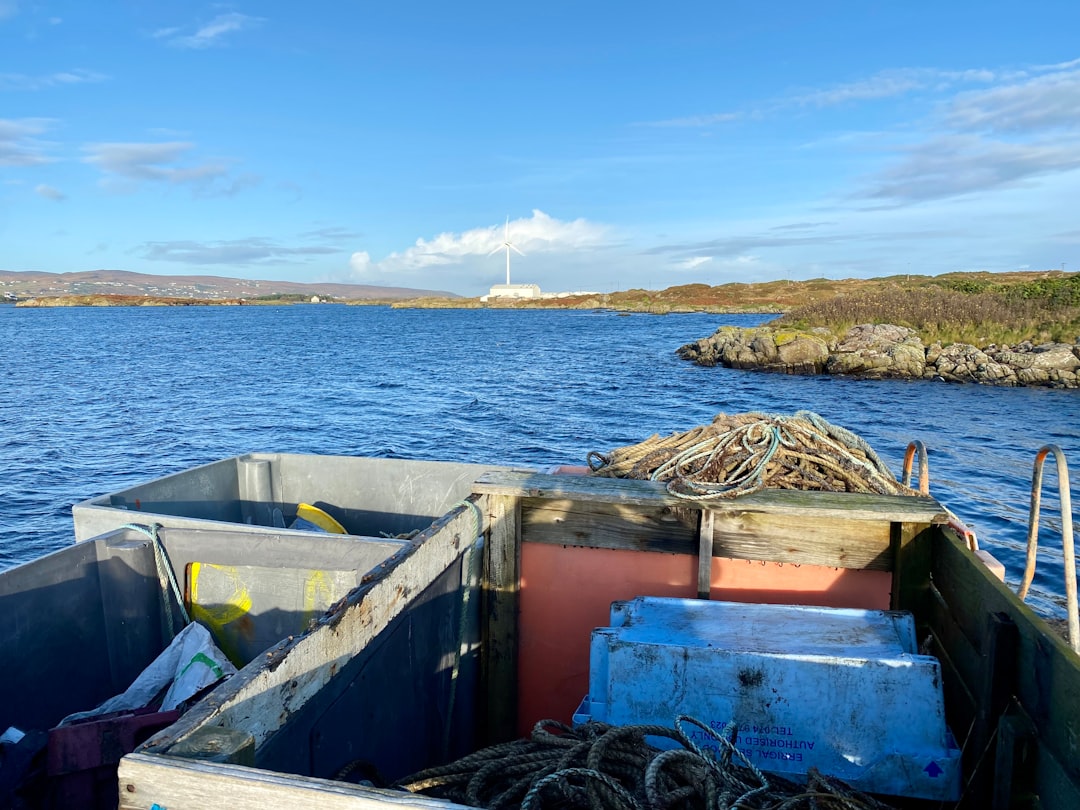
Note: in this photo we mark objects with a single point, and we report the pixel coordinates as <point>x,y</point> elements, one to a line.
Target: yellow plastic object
<point>313,514</point>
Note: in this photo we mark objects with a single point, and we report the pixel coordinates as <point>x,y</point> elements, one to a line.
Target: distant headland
<point>1020,328</point>
<point>125,287</point>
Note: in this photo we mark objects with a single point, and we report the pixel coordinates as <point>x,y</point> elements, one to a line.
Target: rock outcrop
<point>761,348</point>
<point>879,351</point>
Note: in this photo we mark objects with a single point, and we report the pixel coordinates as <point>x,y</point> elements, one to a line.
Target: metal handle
<point>1066,537</point>
<point>924,467</point>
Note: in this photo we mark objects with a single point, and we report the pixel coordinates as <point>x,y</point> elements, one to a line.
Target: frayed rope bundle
<point>744,453</point>
<point>602,767</point>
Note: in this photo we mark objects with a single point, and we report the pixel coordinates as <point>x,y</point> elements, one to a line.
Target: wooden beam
<point>809,538</point>
<point>1017,742</point>
<point>803,538</point>
<point>910,544</point>
<point>502,578</point>
<point>565,522</point>
<point>218,745</point>
<point>846,505</point>
<point>172,783</point>
<point>705,555</point>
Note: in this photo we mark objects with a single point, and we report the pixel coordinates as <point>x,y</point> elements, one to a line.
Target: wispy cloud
<point>730,247</point>
<point>540,233</point>
<point>330,234</point>
<point>210,35</point>
<point>50,193</point>
<point>888,84</point>
<point>1004,136</point>
<point>951,165</point>
<point>21,81</point>
<point>1044,102</point>
<point>8,8</point>
<point>694,262</point>
<point>19,145</point>
<point>885,84</point>
<point>699,120</point>
<point>800,226</point>
<point>255,250</point>
<point>128,165</point>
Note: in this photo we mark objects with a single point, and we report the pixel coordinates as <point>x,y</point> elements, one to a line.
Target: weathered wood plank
<point>705,555</point>
<point>964,658</point>
<point>1047,671</point>
<point>218,745</point>
<point>610,525</point>
<point>847,505</point>
<point>149,780</point>
<point>802,538</point>
<point>806,539</point>
<point>910,544</point>
<point>261,698</point>
<point>502,577</point>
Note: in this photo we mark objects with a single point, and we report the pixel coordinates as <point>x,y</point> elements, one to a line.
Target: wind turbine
<point>509,246</point>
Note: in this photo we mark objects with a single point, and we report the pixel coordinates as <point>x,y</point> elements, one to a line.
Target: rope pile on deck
<point>602,767</point>
<point>743,453</point>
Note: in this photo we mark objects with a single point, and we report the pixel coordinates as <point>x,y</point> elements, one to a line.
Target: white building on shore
<point>512,291</point>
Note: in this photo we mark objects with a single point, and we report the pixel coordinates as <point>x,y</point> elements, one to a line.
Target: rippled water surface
<point>95,400</point>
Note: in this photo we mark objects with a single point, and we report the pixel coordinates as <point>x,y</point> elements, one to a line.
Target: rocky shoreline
<point>884,351</point>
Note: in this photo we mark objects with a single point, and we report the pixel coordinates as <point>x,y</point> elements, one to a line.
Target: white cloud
<point>50,193</point>
<point>8,8</point>
<point>360,262</point>
<point>559,254</point>
<point>21,81</point>
<point>18,146</point>
<point>536,235</point>
<point>692,262</point>
<point>211,34</point>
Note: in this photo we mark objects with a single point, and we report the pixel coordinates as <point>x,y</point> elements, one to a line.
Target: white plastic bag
<point>190,663</point>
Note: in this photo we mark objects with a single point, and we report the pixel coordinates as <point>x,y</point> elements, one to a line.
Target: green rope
<point>166,577</point>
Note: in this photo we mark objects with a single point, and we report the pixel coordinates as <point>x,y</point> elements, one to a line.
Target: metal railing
<point>924,467</point>
<point>1066,537</point>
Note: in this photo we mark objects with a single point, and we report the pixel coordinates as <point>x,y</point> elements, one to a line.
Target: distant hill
<point>760,297</point>
<point>29,284</point>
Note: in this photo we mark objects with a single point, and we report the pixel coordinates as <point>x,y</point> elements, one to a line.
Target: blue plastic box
<point>840,690</point>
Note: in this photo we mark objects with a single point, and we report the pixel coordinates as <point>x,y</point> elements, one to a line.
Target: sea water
<point>93,400</point>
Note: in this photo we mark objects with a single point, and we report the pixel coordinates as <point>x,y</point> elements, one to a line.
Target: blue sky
<point>630,144</point>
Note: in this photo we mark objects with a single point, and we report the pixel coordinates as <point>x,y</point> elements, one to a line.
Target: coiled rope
<point>602,767</point>
<point>744,453</point>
